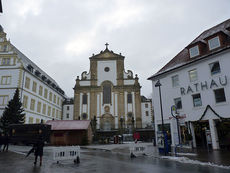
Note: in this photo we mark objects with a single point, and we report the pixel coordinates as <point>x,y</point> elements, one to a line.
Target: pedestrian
<point>39,151</point>
<point>5,142</point>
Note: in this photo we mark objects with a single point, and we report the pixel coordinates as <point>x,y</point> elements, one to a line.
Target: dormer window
<point>37,73</point>
<point>43,77</point>
<point>5,48</point>
<point>30,68</point>
<point>214,43</point>
<point>194,51</point>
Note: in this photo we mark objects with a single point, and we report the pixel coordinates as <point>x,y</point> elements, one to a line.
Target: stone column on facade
<point>93,104</point>
<point>214,135</point>
<point>120,72</point>
<point>138,109</point>
<point>93,72</point>
<point>116,122</point>
<point>76,106</point>
<point>193,135</point>
<point>76,99</point>
<point>138,102</point>
<point>98,122</point>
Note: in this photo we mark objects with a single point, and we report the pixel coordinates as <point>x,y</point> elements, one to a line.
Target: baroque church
<point>108,94</point>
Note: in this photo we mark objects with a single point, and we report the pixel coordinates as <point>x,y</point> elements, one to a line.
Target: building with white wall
<point>146,112</point>
<point>68,109</point>
<point>197,81</point>
<point>41,96</point>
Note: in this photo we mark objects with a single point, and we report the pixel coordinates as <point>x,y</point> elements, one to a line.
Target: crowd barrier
<point>137,149</point>
<point>66,153</point>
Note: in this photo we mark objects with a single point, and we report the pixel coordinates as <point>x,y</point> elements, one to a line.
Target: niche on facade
<point>107,122</point>
<point>84,116</point>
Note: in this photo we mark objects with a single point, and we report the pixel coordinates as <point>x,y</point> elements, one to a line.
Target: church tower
<point>108,94</point>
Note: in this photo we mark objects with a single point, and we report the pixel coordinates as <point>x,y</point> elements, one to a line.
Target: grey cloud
<point>154,32</point>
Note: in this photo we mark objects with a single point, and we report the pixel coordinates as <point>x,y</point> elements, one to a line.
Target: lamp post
<point>121,120</point>
<point>133,121</point>
<point>158,84</point>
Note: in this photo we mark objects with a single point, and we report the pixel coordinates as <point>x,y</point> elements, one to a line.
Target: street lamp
<point>133,121</point>
<point>158,84</point>
<point>121,120</point>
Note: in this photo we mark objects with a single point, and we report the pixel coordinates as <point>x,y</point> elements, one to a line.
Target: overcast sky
<point>60,35</point>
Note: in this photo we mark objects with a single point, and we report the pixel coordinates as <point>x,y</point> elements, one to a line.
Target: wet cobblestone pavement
<point>102,161</point>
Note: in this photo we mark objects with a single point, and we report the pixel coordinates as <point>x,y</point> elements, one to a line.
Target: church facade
<point>108,94</point>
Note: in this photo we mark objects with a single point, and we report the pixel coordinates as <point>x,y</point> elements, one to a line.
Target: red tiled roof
<point>69,124</point>
<point>183,58</point>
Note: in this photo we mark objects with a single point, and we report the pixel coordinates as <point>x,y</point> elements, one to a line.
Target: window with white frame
<point>27,83</point>
<point>45,93</point>
<point>25,101</point>
<point>50,96</point>
<point>214,43</point>
<point>4,100</point>
<point>37,120</point>
<point>34,87</point>
<point>31,120</point>
<point>57,113</point>
<point>53,112</point>
<point>175,80</point>
<point>178,103</point>
<point>6,80</point>
<point>55,97</point>
<point>214,68</point>
<point>196,100</point>
<point>5,61</point>
<point>220,95</point>
<point>194,51</point>
<point>44,109</point>
<point>49,111</point>
<point>192,75</point>
<point>40,90</point>
<point>39,107</point>
<point>5,48</point>
<point>32,104</point>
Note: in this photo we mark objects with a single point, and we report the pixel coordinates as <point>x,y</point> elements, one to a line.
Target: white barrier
<point>137,149</point>
<point>66,153</point>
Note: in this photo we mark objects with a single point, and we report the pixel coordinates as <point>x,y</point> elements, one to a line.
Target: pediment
<point>107,54</point>
<point>210,113</point>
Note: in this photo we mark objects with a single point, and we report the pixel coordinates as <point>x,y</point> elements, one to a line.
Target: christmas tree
<point>13,113</point>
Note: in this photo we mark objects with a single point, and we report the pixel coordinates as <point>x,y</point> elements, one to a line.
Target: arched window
<point>129,98</point>
<point>106,94</point>
<point>84,98</point>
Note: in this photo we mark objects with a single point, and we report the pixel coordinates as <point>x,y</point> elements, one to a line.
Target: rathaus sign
<point>196,87</point>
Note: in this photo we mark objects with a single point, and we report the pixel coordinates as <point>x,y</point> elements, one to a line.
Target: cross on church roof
<point>106,44</point>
